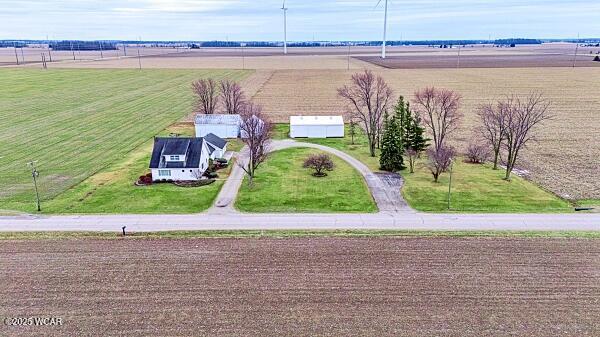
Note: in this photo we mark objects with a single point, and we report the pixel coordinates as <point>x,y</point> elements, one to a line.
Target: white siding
<point>316,127</point>
<point>185,174</point>
<point>220,130</point>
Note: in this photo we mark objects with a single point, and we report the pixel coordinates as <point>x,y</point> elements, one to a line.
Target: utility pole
<point>450,182</point>
<point>138,51</point>
<point>101,55</point>
<point>16,55</point>
<point>49,52</point>
<point>22,55</point>
<point>243,56</point>
<point>35,174</point>
<point>72,51</point>
<point>458,62</point>
<point>576,50</point>
<point>348,68</point>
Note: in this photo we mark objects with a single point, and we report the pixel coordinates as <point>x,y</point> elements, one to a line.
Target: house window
<point>164,173</point>
<point>174,158</point>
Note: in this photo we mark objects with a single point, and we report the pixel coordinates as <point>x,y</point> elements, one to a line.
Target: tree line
<point>505,127</point>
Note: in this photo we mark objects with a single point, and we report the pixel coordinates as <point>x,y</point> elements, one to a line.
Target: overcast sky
<point>321,19</point>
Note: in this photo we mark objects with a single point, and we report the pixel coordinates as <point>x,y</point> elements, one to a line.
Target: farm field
<point>75,123</point>
<point>549,54</point>
<point>283,185</point>
<point>304,286</point>
<point>565,158</point>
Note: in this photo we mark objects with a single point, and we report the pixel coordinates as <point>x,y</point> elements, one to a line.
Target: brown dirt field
<point>481,61</point>
<point>304,286</point>
<point>565,159</point>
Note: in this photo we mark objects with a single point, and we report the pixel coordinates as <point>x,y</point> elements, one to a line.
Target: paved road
<point>394,215</point>
<point>385,188</point>
<point>379,221</point>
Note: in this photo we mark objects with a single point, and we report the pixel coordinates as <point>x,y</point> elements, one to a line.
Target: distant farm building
<point>184,159</point>
<point>316,126</point>
<point>223,126</point>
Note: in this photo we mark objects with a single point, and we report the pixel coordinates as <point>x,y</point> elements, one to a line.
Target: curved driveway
<point>386,195</point>
<point>392,215</point>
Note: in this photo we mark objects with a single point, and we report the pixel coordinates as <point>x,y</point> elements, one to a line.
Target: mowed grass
<point>113,191</point>
<point>282,185</point>
<point>77,122</point>
<point>359,148</point>
<point>477,189</point>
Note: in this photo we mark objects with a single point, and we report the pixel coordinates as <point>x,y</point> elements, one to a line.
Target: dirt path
<point>304,287</point>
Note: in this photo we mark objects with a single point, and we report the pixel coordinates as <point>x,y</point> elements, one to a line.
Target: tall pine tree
<point>412,133</point>
<point>392,150</point>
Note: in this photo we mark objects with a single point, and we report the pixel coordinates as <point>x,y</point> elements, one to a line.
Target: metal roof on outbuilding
<point>316,120</point>
<point>218,119</point>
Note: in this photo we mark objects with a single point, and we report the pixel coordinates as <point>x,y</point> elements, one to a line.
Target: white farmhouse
<point>316,126</point>
<point>223,126</point>
<point>184,159</point>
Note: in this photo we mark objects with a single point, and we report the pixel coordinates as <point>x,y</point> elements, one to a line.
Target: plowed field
<point>304,286</point>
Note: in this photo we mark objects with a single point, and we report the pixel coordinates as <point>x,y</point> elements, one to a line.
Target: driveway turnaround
<point>385,188</point>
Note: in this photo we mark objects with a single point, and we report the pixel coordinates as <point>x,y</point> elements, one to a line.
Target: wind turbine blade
<point>378,2</point>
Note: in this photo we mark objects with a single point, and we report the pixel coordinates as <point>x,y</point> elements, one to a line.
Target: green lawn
<point>478,189</point>
<point>281,131</point>
<point>112,190</point>
<point>76,122</point>
<point>359,149</point>
<point>282,185</point>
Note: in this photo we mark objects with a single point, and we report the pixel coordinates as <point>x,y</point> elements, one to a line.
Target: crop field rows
<point>304,286</point>
<point>564,160</point>
<point>76,122</point>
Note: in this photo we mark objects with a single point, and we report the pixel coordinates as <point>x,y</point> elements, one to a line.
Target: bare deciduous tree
<point>207,96</point>
<point>493,128</point>
<point>320,163</point>
<point>439,160</point>
<point>522,118</point>
<point>368,98</point>
<point>439,111</point>
<point>232,96</point>
<point>412,156</point>
<point>256,135</point>
<point>477,152</point>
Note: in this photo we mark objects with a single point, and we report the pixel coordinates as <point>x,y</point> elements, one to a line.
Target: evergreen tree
<point>410,131</point>
<point>391,145</point>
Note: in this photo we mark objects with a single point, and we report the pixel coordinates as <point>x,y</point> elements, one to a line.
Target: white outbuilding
<point>316,126</point>
<point>223,126</point>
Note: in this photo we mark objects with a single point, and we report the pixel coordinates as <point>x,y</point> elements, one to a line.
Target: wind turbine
<point>284,9</point>
<point>384,28</point>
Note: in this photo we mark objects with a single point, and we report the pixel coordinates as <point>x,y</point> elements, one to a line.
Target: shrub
<point>319,163</point>
<point>211,175</point>
<point>221,160</point>
<point>477,152</point>
<point>597,58</point>
<point>197,183</point>
<point>439,160</point>
<point>145,180</point>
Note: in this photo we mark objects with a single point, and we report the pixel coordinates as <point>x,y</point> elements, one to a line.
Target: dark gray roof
<point>176,146</point>
<point>165,146</point>
<point>215,140</point>
<point>218,119</point>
